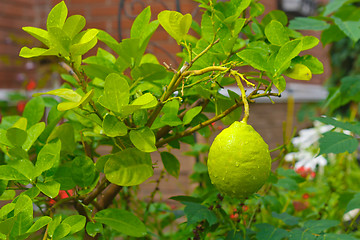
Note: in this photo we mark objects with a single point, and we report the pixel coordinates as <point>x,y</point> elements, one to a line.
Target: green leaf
<point>143,139</point>
<point>64,177</point>
<point>84,41</point>
<point>3,186</point>
<point>76,222</point>
<point>129,54</point>
<point>73,25</point>
<point>26,168</point>
<point>318,226</point>
<point>32,135</point>
<point>83,171</point>
<point>50,189</point>
<point>34,111</point>
<point>26,52</point>
<point>315,66</point>
<point>21,123</point>
<point>287,183</point>
<point>8,195</point>
<point>9,173</point>
<point>276,33</point>
<point>53,224</point>
<point>145,101</point>
<point>6,209</point>
<point>61,231</point>
<point>196,212</point>
<point>92,228</point>
<point>121,221</point>
<point>287,52</point>
<point>57,16</point>
<point>70,105</point>
<point>189,115</point>
<point>18,153</point>
<point>23,222</point>
<point>275,15</point>
<point>350,28</point>
<point>286,218</point>
<point>309,42</point>
<point>148,72</point>
<point>307,23</point>
<point>3,139</point>
<point>24,204</point>
<point>354,203</point>
<point>113,127</point>
<point>298,72</point>
<point>280,83</point>
<point>350,88</point>
<point>333,6</point>
<point>65,132</point>
<point>335,142</point>
<point>40,223</point>
<point>65,93</point>
<point>59,41</point>
<point>269,232</point>
<point>331,34</point>
<point>171,163</point>
<point>140,23</point>
<point>116,93</point>
<point>39,34</point>
<point>48,156</point>
<point>170,117</point>
<point>355,128</point>
<point>222,104</point>
<point>129,167</point>
<point>100,162</point>
<point>16,136</point>
<point>254,58</point>
<point>176,24</point>
<point>256,9</point>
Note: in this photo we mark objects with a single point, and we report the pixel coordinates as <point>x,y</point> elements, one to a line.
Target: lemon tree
<point>53,175</point>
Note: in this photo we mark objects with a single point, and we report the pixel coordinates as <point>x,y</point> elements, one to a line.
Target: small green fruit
<point>239,161</point>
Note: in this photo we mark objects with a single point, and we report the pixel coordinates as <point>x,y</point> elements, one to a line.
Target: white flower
<point>311,162</point>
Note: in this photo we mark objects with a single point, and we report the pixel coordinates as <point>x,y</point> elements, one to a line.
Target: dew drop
<point>237,164</point>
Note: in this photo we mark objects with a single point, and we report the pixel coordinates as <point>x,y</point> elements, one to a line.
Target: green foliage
<point>78,164</point>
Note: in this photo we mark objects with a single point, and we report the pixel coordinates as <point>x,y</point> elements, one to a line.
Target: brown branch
<point>199,126</point>
<point>164,130</point>
<point>108,196</point>
<point>96,192</point>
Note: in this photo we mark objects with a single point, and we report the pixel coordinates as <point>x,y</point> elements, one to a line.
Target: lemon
<point>239,161</point>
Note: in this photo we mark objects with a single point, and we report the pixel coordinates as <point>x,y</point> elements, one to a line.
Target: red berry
<point>21,106</point>
<point>31,85</point>
<point>305,196</point>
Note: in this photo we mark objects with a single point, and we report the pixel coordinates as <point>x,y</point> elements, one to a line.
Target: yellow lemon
<point>239,161</point>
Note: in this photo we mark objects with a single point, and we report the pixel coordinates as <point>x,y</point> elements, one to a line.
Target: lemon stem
<point>243,95</point>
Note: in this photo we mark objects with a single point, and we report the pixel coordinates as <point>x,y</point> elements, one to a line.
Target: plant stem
<point>99,188</point>
<point>199,126</point>
<point>243,96</point>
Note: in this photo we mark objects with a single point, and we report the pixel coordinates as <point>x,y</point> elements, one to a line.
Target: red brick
<point>101,24</point>
<point>104,11</point>
<point>86,1</point>
<point>160,35</point>
<point>24,2</point>
<point>12,10</point>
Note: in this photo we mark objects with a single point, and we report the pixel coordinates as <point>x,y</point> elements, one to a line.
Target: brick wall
<point>102,14</point>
